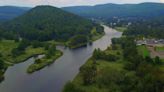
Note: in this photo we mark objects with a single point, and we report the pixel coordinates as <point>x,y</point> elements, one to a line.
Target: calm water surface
<point>53,77</point>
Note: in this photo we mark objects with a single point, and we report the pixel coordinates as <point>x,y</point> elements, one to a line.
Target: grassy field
<point>143,50</point>
<point>7,46</point>
<point>159,48</point>
<point>121,29</point>
<point>101,65</point>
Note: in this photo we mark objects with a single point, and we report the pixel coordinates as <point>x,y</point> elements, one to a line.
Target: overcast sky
<point>61,3</point>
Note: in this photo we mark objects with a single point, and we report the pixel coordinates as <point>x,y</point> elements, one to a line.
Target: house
<point>151,42</point>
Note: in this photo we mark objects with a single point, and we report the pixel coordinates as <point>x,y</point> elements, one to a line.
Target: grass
<point>7,46</point>
<point>121,29</point>
<point>143,50</point>
<point>43,62</point>
<point>159,48</point>
<point>109,66</point>
<point>95,35</point>
<point>101,65</point>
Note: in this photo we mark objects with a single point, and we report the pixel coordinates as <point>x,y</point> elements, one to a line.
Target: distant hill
<point>10,12</point>
<point>47,23</point>
<point>106,11</point>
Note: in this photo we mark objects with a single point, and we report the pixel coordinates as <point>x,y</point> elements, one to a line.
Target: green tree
<point>36,44</point>
<point>157,60</point>
<point>51,51</point>
<point>88,73</point>
<point>70,87</point>
<point>2,65</point>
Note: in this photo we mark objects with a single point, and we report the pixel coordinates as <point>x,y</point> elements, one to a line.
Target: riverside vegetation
<point>38,31</point>
<point>12,52</point>
<point>121,68</point>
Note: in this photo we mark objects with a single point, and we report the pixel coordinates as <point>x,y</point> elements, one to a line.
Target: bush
<point>15,52</point>
<point>38,61</point>
<point>51,51</point>
<point>36,44</point>
<point>78,39</point>
<point>70,87</point>
<point>2,65</point>
<point>88,74</point>
<point>98,54</point>
<point>109,77</point>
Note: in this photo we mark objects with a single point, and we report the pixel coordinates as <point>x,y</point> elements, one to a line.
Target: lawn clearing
<point>143,50</point>
<point>121,29</point>
<point>159,48</point>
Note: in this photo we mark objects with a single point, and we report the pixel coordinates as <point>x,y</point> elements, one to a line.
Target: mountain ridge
<point>10,12</point>
<point>110,10</point>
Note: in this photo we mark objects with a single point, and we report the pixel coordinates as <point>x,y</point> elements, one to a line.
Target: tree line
<point>139,74</point>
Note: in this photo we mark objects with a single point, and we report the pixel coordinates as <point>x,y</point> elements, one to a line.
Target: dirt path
<point>154,53</point>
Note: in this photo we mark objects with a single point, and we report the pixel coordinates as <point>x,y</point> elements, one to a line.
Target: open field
<point>143,50</point>
<point>159,48</point>
<point>7,46</point>
<point>155,53</point>
<point>121,29</point>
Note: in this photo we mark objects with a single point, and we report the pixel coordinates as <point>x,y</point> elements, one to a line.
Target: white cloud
<point>68,2</point>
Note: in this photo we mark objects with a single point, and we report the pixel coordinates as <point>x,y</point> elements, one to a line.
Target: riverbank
<point>81,40</point>
<point>99,67</point>
<point>91,40</point>
<point>7,58</point>
<point>7,46</point>
<point>121,29</point>
<point>116,68</point>
<point>59,73</point>
<point>43,62</point>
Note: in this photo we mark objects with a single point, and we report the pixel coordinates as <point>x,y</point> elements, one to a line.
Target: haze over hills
<point>10,12</point>
<point>107,11</point>
<point>47,23</point>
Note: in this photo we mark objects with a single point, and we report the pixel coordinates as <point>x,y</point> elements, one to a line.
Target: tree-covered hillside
<point>150,28</point>
<point>10,12</point>
<point>108,11</point>
<point>48,23</point>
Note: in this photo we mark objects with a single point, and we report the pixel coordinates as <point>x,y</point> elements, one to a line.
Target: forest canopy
<point>46,23</point>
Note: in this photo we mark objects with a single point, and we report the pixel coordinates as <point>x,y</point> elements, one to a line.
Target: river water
<point>53,78</point>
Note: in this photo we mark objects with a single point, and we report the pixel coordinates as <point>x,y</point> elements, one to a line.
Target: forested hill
<point>47,23</point>
<point>106,11</point>
<point>151,28</point>
<point>10,12</point>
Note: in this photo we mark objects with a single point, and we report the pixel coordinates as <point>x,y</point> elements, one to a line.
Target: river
<point>53,77</point>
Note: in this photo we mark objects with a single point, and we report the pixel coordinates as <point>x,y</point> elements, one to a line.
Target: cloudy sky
<point>61,3</point>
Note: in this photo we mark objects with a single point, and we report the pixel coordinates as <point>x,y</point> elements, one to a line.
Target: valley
<point>109,47</point>
<point>64,69</point>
